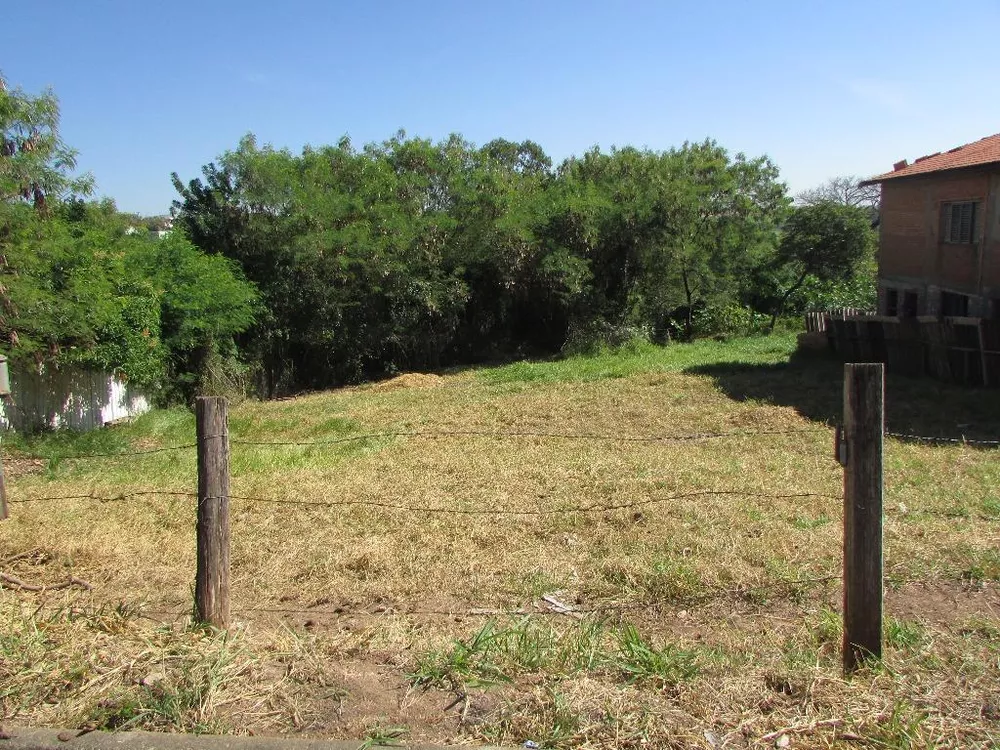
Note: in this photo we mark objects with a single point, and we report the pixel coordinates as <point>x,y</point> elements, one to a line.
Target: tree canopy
<point>77,287</point>
<point>828,241</point>
<point>340,263</point>
<point>410,254</point>
<point>34,161</point>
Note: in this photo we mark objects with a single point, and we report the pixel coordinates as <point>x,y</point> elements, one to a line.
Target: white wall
<point>75,399</point>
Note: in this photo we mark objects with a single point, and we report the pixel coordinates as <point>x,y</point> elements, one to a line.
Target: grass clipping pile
<point>453,583</point>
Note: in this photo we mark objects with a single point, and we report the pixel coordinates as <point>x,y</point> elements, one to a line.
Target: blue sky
<point>823,88</point>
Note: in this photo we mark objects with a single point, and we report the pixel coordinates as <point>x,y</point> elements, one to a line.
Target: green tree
<point>666,233</point>
<point>827,241</point>
<point>78,286</point>
<point>412,254</point>
<point>404,254</point>
<point>72,294</point>
<point>722,216</point>
<point>35,164</point>
<point>204,303</point>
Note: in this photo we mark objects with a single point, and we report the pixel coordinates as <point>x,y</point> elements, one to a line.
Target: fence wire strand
<point>592,508</point>
<point>431,434</point>
<point>112,454</point>
<point>538,609</point>
<point>941,439</point>
<point>500,435</point>
<point>543,608</point>
<point>103,498</point>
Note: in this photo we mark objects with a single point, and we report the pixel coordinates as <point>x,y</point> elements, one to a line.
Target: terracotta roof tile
<point>983,151</point>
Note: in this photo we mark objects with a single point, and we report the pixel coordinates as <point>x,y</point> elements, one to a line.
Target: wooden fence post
<point>864,391</point>
<point>3,494</point>
<point>5,395</point>
<point>211,590</point>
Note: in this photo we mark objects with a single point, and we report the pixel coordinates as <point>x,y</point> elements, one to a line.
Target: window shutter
<point>965,225</point>
<point>959,222</point>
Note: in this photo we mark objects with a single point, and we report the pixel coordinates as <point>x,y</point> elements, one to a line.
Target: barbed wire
<point>556,607</point>
<point>102,498</point>
<point>753,594</point>
<point>109,454</point>
<point>429,434</point>
<point>941,439</point>
<point>527,434</point>
<point>546,608</point>
<point>936,513</point>
<point>591,508</point>
<point>499,435</point>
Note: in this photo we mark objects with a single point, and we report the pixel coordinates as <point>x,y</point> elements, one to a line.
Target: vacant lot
<point>396,554</point>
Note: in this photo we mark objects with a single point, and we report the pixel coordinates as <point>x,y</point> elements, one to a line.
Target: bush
<point>728,320</point>
<point>597,334</point>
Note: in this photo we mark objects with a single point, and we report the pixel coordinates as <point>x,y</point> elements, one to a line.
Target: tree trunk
<point>784,299</point>
<point>689,317</point>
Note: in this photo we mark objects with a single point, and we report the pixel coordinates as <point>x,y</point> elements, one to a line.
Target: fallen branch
<point>802,729</point>
<point>558,606</point>
<point>20,556</point>
<point>73,581</point>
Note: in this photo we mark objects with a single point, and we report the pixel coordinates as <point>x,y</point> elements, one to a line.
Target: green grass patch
<point>636,359</point>
<point>663,579</point>
<point>904,634</point>
<point>985,566</point>
<point>499,653</point>
<point>991,507</point>
<point>806,523</point>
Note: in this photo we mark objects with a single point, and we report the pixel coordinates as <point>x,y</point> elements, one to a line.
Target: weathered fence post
<point>211,590</point>
<point>5,395</point>
<point>3,494</point>
<point>864,391</point>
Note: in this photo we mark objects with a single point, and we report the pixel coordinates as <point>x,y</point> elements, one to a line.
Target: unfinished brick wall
<point>913,254</point>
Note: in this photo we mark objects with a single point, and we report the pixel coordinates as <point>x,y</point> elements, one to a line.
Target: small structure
<point>73,399</point>
<point>939,251</point>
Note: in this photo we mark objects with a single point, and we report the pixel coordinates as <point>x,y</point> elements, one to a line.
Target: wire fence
<point>956,513</point>
<point>512,434</point>
<point>491,434</point>
<point>940,439</point>
<point>437,435</point>
<point>500,435</point>
<point>591,508</point>
<point>547,607</point>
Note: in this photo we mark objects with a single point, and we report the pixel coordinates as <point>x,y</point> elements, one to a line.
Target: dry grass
<point>733,596</point>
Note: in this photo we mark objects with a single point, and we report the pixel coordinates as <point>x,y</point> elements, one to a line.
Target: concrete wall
<point>912,254</point>
<point>75,399</point>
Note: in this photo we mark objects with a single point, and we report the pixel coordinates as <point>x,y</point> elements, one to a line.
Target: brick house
<point>939,251</point>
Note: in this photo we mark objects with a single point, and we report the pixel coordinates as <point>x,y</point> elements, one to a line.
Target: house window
<point>954,305</point>
<point>891,302</point>
<point>909,304</point>
<point>959,222</point>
